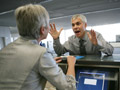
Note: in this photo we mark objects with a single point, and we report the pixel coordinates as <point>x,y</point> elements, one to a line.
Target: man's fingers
<point>51,26</point>
<point>57,58</point>
<point>58,61</point>
<point>54,26</point>
<point>89,35</point>
<point>93,33</point>
<point>61,30</point>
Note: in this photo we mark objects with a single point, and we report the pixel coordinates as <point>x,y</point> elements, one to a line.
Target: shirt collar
<point>85,36</point>
<point>34,41</point>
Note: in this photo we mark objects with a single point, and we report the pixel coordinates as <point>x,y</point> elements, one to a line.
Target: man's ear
<point>85,25</point>
<point>42,30</point>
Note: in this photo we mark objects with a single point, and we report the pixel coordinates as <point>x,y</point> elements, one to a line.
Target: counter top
<point>104,60</point>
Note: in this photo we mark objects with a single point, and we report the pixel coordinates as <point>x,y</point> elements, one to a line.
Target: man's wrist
<point>56,38</point>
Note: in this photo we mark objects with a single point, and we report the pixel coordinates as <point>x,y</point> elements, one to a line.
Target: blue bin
<point>90,80</point>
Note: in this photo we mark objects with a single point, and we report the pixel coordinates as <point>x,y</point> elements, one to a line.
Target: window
<point>108,32</point>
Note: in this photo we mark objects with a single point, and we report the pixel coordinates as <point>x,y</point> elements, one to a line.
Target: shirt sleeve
<point>104,46</point>
<point>59,48</point>
<point>54,74</point>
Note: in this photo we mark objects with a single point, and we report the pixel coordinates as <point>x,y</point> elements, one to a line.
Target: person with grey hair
<point>24,64</point>
<point>84,42</point>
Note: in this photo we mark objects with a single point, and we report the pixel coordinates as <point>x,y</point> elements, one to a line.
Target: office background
<point>103,16</point>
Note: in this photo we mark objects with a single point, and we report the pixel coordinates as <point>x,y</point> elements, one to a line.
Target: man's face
<point>78,27</point>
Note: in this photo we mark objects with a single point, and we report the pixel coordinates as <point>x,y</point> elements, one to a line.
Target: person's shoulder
<point>39,48</point>
<point>32,46</point>
<point>98,34</point>
<point>73,37</point>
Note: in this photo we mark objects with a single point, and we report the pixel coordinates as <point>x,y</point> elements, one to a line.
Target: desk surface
<point>113,60</point>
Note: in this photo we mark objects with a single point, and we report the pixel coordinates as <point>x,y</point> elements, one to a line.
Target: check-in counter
<point>108,65</point>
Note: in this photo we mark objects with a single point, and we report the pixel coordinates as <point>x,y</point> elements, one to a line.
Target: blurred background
<point>103,16</point>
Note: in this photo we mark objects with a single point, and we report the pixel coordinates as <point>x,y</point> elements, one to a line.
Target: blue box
<point>90,80</point>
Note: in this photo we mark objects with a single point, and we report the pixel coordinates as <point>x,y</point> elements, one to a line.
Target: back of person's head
<point>81,16</point>
<point>30,18</point>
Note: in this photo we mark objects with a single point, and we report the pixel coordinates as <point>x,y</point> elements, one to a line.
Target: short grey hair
<point>81,16</point>
<point>30,18</point>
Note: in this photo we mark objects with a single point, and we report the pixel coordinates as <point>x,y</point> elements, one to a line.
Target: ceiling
<point>98,12</point>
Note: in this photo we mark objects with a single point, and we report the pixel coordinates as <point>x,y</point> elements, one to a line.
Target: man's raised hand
<point>54,33</point>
